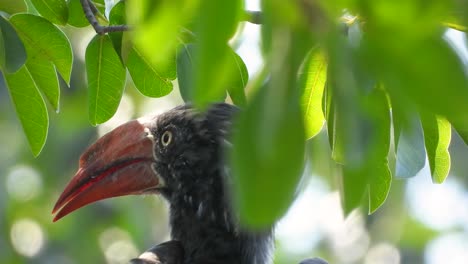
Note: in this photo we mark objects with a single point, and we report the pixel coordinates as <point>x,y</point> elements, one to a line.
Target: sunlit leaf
<point>44,41</point>
<point>437,135</point>
<point>106,79</point>
<point>13,7</point>
<point>410,151</point>
<point>56,11</point>
<point>379,185</point>
<point>12,51</point>
<point>311,98</point>
<point>149,80</point>
<point>30,108</point>
<point>76,16</point>
<point>45,77</point>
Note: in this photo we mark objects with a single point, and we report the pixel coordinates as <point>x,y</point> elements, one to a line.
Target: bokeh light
<point>300,226</point>
<point>439,206</point>
<point>449,248</point>
<point>155,106</point>
<point>383,253</point>
<point>23,183</point>
<point>350,240</point>
<point>27,237</point>
<point>117,246</point>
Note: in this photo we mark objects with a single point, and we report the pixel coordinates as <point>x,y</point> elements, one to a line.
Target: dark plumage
<point>180,155</point>
<point>195,177</point>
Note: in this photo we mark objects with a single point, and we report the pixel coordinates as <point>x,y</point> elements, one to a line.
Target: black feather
<point>204,228</point>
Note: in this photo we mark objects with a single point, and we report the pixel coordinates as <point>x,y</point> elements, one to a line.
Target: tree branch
<point>90,12</point>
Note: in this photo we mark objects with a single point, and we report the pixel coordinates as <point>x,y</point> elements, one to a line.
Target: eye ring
<point>166,138</point>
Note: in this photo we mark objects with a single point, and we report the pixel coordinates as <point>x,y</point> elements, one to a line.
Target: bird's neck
<point>201,206</point>
<point>201,219</point>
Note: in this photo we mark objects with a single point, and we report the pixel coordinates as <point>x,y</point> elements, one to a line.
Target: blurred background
<point>419,223</point>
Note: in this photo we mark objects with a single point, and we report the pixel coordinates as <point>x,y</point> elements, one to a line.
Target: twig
<point>90,12</point>
<point>93,7</point>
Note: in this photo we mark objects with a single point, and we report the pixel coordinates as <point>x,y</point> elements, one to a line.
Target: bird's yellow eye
<point>166,138</point>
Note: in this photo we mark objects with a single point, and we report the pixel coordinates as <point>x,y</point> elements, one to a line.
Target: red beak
<point>118,164</point>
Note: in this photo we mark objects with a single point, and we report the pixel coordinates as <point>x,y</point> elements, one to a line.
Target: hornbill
<point>179,155</point>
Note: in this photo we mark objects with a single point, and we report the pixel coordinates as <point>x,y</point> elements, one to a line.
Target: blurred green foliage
<point>381,74</point>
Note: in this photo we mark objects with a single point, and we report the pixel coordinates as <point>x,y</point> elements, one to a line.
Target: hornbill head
<point>150,156</point>
<point>180,155</point>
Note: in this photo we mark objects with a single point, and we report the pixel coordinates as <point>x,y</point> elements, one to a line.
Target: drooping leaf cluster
<point>380,74</point>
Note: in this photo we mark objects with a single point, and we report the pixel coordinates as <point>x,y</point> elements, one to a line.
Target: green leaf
<point>213,70</point>
<point>457,17</point>
<point>358,119</point>
<point>378,140</point>
<point>106,79</point>
<point>379,185</point>
<point>436,82</point>
<point>46,79</point>
<point>354,182</point>
<point>13,7</point>
<point>239,80</point>
<point>76,15</point>
<point>149,80</point>
<point>267,159</point>
<point>185,69</point>
<point>117,17</point>
<point>410,151</point>
<point>44,41</point>
<point>159,20</point>
<point>56,11</point>
<point>311,98</point>
<point>30,108</point>
<point>437,135</point>
<point>455,23</point>
<point>12,51</point>
<point>462,130</point>
<point>233,76</point>
<point>371,174</point>
<point>267,156</point>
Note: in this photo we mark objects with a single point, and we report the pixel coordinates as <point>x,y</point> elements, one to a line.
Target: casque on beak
<point>119,163</point>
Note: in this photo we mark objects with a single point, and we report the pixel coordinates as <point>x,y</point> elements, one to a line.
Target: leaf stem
<point>90,12</point>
